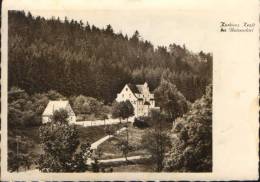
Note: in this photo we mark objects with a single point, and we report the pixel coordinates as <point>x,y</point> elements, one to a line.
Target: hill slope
<point>74,59</point>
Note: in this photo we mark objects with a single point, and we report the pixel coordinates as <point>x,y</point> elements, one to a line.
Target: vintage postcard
<point>129,90</point>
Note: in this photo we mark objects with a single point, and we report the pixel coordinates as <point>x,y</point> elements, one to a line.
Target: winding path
<point>121,159</point>
<point>132,158</point>
<point>100,141</point>
<point>95,145</point>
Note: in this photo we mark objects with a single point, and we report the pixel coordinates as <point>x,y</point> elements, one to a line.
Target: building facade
<point>57,105</point>
<point>140,97</point>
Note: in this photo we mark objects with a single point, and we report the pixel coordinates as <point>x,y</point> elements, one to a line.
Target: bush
<point>87,105</point>
<point>111,129</point>
<point>141,122</point>
<point>95,166</point>
<point>30,119</point>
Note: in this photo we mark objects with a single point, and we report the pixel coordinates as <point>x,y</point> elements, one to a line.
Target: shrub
<point>30,119</point>
<point>141,122</point>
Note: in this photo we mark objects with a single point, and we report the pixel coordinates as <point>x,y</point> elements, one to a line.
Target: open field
<point>109,149</point>
<point>90,134</point>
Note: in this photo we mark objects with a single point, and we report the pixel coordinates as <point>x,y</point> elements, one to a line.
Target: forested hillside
<point>74,57</point>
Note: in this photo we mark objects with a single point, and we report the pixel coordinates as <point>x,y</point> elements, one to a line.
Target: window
<point>126,89</point>
<point>122,95</point>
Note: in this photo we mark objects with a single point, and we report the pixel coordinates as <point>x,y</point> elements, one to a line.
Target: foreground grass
<point>30,135</point>
<point>93,133</point>
<point>134,168</point>
<point>90,134</point>
<point>109,149</point>
<point>30,143</point>
<point>140,166</point>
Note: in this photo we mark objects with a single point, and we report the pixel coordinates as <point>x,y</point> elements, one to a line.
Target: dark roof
<point>133,88</point>
<point>140,88</point>
<point>146,103</point>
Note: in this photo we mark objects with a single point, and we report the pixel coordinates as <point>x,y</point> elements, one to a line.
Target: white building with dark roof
<point>140,97</point>
<point>55,106</point>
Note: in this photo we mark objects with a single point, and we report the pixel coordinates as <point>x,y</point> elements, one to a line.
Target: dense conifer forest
<point>75,57</point>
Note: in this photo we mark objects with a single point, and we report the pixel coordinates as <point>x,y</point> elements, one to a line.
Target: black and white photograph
<point>89,98</point>
<point>135,89</point>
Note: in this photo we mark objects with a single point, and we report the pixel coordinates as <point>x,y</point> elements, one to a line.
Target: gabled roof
<point>133,88</point>
<point>140,88</point>
<point>54,106</point>
<point>147,103</point>
<point>137,89</point>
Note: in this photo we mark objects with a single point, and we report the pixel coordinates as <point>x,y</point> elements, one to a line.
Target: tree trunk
<point>127,137</point>
<point>126,158</point>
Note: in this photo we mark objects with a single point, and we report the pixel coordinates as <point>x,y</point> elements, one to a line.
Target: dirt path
<point>100,141</point>
<point>121,159</point>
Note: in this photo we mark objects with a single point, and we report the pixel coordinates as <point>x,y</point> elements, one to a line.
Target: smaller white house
<point>57,105</point>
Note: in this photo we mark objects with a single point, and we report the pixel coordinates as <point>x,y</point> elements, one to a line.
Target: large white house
<point>57,105</point>
<point>140,97</point>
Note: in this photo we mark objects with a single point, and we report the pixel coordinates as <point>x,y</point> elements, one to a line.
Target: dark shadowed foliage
<point>122,110</point>
<point>192,138</point>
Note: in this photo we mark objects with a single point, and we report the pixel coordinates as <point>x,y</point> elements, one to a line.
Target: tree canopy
<point>192,138</point>
<point>60,142</point>
<point>156,140</point>
<point>170,99</point>
<point>122,109</point>
<point>87,105</point>
<point>25,110</point>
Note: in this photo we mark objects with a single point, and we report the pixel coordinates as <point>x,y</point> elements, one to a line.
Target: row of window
<point>130,95</point>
